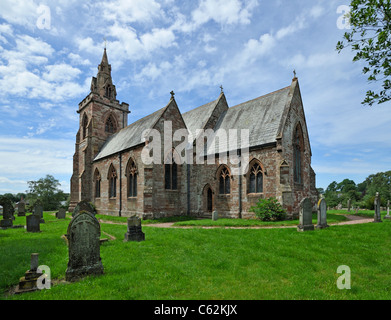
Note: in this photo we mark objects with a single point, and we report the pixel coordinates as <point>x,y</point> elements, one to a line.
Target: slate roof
<point>129,136</point>
<point>198,117</point>
<point>262,116</point>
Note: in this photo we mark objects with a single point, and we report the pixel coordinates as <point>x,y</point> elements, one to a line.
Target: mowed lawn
<point>209,264</point>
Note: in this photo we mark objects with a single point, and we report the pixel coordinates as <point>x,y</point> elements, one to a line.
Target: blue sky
<point>49,50</point>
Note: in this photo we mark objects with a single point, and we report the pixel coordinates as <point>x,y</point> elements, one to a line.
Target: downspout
<point>240,184</point>
<point>120,184</point>
<point>188,181</point>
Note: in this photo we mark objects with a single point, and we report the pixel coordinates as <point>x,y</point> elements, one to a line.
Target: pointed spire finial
<point>172,94</point>
<point>222,89</point>
<point>294,75</point>
<point>105,42</point>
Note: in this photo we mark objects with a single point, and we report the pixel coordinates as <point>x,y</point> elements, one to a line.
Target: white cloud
<point>21,12</point>
<point>60,73</point>
<point>224,12</point>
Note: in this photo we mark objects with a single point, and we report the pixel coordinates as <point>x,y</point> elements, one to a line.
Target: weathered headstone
<point>134,232</point>
<point>388,211</point>
<point>84,247</point>
<point>21,208</point>
<point>83,206</point>
<point>29,281</point>
<point>61,214</point>
<point>322,214</point>
<point>305,216</point>
<point>339,207</point>
<point>377,217</point>
<point>38,211</point>
<point>8,213</point>
<point>215,215</point>
<point>33,223</point>
<point>357,209</point>
<point>349,204</point>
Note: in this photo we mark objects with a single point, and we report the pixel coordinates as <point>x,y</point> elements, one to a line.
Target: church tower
<point>101,115</point>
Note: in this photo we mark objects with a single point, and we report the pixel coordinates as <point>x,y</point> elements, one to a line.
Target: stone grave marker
<point>33,223</point>
<point>349,204</point>
<point>21,208</point>
<point>388,211</point>
<point>61,214</point>
<point>83,206</point>
<point>28,283</point>
<point>215,215</point>
<point>84,247</point>
<point>38,211</point>
<point>134,232</point>
<point>377,217</point>
<point>8,213</point>
<point>305,216</point>
<point>322,214</point>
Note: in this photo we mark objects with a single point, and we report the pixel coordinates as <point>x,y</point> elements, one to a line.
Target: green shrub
<point>269,210</point>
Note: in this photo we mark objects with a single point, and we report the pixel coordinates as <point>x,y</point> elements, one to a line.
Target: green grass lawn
<point>205,264</point>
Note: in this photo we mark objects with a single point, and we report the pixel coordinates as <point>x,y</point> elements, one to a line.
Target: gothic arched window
<point>112,182</point>
<point>132,179</point>
<point>225,181</point>
<point>108,91</point>
<point>298,155</point>
<point>84,126</point>
<point>110,125</point>
<point>256,179</point>
<point>97,180</point>
<point>171,173</point>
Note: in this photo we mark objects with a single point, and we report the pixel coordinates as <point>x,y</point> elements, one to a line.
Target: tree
<point>370,38</point>
<point>46,191</point>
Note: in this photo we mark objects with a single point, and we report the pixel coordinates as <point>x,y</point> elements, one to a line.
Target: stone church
<point>109,169</point>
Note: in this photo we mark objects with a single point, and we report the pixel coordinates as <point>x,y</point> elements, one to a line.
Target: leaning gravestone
<point>83,206</point>
<point>84,247</point>
<point>61,214</point>
<point>305,216</point>
<point>377,217</point>
<point>388,211</point>
<point>322,214</point>
<point>21,208</point>
<point>8,213</point>
<point>134,230</point>
<point>33,223</point>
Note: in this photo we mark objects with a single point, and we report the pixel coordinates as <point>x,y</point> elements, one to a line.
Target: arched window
<point>132,179</point>
<point>112,182</point>
<point>108,91</point>
<point>170,173</point>
<point>297,154</point>
<point>225,181</point>
<point>97,180</point>
<point>256,179</point>
<point>110,125</point>
<point>84,126</point>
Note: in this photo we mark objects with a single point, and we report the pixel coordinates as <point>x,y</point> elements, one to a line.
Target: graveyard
<point>202,259</point>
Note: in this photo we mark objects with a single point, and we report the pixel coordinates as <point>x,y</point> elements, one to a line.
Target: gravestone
<point>377,217</point>
<point>388,211</point>
<point>134,230</point>
<point>215,215</point>
<point>84,247</point>
<point>28,283</point>
<point>21,208</point>
<point>322,214</point>
<point>8,213</point>
<point>33,223</point>
<point>83,206</point>
<point>61,214</point>
<point>38,211</point>
<point>339,207</point>
<point>305,216</point>
<point>358,208</point>
<point>349,204</point>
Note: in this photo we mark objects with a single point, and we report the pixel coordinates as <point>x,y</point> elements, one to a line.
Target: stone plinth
<point>134,230</point>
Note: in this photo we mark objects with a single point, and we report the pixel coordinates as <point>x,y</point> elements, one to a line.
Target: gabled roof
<point>261,116</point>
<point>130,136</point>
<point>197,118</point>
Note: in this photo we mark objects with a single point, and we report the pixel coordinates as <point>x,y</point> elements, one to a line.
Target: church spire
<point>102,84</point>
